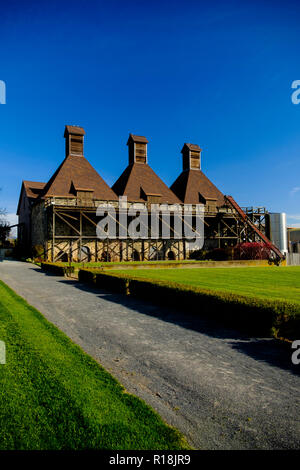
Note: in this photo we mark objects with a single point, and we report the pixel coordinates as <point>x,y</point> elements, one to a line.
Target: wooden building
<point>58,219</point>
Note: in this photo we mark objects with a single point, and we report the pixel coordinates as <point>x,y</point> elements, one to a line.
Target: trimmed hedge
<point>252,315</point>
<point>86,276</point>
<point>104,281</point>
<point>163,264</point>
<point>57,269</point>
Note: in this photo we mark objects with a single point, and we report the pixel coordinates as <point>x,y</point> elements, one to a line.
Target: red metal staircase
<point>265,239</point>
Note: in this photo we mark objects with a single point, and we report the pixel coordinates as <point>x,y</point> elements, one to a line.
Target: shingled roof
<point>137,138</point>
<point>32,190</point>
<point>138,179</point>
<point>192,147</point>
<point>193,187</point>
<point>76,130</point>
<point>77,172</point>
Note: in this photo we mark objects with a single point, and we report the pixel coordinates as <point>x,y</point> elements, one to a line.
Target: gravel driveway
<point>222,389</point>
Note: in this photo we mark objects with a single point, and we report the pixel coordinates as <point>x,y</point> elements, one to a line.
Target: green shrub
<point>85,275</point>
<point>112,282</point>
<point>217,254</point>
<point>38,252</point>
<point>198,255</point>
<point>57,268</point>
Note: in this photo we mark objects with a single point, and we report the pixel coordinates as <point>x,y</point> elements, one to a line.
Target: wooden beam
<point>68,223</point>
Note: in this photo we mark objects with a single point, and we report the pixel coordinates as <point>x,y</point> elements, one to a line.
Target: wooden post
<point>53,234</point>
<point>80,234</point>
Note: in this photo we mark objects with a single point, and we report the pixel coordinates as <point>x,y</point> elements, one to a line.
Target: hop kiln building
<point>57,218</point>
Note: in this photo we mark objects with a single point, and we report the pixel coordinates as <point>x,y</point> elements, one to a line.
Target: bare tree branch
<point>3,214</point>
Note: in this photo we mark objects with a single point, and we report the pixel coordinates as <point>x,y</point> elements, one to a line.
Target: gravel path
<point>222,389</point>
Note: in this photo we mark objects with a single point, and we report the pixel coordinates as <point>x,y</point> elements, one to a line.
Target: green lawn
<point>54,396</point>
<point>268,282</point>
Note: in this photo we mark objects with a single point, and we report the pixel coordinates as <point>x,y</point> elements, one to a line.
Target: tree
<point>4,226</point>
<point>4,232</point>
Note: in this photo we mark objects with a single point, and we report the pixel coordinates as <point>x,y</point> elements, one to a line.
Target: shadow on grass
<point>269,350</point>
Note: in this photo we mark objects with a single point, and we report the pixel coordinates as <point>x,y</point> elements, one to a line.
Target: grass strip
<point>54,396</point>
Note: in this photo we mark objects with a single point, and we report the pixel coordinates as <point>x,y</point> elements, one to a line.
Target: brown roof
<point>32,190</point>
<point>192,147</point>
<point>83,189</point>
<point>192,186</point>
<point>137,138</point>
<point>138,178</point>
<point>78,172</point>
<point>74,130</point>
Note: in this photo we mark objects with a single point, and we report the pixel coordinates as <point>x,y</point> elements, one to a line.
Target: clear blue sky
<point>217,74</point>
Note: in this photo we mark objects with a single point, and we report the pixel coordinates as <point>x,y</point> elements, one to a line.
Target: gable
<point>30,190</point>
<point>138,179</point>
<point>193,187</point>
<point>77,172</point>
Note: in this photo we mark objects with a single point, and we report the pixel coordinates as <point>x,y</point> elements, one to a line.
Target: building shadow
<point>268,350</point>
<point>276,353</point>
<point>46,273</point>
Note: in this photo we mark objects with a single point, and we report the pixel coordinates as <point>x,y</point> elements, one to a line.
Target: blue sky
<point>217,74</point>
